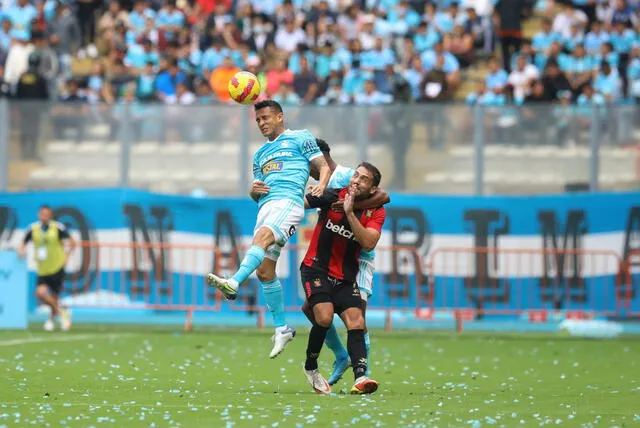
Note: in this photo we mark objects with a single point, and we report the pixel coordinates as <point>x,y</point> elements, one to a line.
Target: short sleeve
<point>257,173</point>
<point>376,221</point>
<point>308,146</point>
<point>328,197</point>
<point>63,232</point>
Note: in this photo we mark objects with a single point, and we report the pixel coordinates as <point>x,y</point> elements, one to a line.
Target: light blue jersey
<point>283,165</point>
<point>340,178</point>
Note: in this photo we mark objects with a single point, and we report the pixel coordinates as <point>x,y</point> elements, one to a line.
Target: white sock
<point>281,329</point>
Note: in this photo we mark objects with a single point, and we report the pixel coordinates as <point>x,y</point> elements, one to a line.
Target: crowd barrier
<point>458,283</point>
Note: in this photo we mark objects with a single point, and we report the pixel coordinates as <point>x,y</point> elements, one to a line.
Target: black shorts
<point>321,288</point>
<point>54,282</point>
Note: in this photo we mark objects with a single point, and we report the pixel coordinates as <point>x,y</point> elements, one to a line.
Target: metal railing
<point>420,148</point>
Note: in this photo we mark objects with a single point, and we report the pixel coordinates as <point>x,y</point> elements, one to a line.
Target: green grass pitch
<point>119,376</point>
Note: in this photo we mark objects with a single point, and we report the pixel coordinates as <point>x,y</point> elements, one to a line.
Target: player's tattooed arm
<point>320,163</point>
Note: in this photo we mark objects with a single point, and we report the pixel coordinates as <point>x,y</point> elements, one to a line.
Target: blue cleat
<point>340,365</point>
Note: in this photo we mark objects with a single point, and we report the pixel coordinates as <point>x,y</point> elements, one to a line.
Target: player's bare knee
<point>324,320</point>
<point>353,319</point>
<point>41,292</point>
<point>323,314</point>
<point>264,238</point>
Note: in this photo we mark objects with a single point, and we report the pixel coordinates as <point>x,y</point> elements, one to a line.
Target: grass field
<point>122,376</point>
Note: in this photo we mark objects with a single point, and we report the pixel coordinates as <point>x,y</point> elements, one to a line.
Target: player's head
<point>45,214</point>
<point>326,151</point>
<point>365,180</point>
<point>270,118</point>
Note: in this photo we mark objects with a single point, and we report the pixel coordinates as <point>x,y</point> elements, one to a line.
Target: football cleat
<point>227,287</point>
<point>364,385</point>
<point>317,382</point>
<point>280,340</point>
<point>340,365</point>
<point>65,319</point>
<point>49,325</point>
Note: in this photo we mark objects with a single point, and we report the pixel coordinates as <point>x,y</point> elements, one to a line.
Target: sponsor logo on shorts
<point>272,166</point>
<point>340,230</point>
<point>317,282</point>
<point>292,230</point>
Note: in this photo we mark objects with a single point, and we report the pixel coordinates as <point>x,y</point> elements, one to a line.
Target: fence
<point>458,284</point>
<point>421,148</point>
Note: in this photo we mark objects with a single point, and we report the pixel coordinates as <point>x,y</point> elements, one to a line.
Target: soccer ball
<point>244,87</point>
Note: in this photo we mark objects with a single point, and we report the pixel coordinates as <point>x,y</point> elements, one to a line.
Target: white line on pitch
<point>73,338</point>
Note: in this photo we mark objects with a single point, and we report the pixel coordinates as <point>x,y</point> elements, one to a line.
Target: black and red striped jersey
<point>334,249</point>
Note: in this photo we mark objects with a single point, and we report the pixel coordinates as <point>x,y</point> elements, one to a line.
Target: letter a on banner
<point>13,291</point>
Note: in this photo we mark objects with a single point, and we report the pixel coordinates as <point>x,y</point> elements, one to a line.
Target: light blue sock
<point>367,344</point>
<point>275,301</point>
<point>250,263</point>
<point>334,343</point>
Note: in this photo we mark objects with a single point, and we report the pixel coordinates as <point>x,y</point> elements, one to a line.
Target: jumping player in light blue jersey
<point>280,174</point>
<point>340,178</point>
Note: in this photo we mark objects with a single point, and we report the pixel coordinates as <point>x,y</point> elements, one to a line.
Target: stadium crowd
<point>364,52</point>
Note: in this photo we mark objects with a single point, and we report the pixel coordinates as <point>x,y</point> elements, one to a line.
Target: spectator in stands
<point>567,18</point>
<point>425,37</point>
<point>509,27</point>
<point>543,39</point>
<point>480,29</point>
<point>48,61</point>
<point>220,78</point>
<point>168,78</point>
<point>555,81</point>
<point>17,61</point>
<point>127,105</point>
<point>622,13</point>
<point>435,86</point>
<point>622,39</point>
<point>595,38</point>
<point>575,37</point>
<point>286,95</point>
<point>86,13</point>
<point>450,64</point>
<point>579,69</point>
<point>21,16</point>
<point>607,54</point>
<point>521,79</point>
<point>64,36</point>
<point>305,83</point>
<point>110,17</point>
<point>170,19</point>
<point>289,36</point>
<point>31,86</point>
<point>277,75</point>
<point>414,76</point>
<point>119,76</point>
<point>334,94</point>
<point>371,95</point>
<point>95,84</point>
<point>460,44</point>
<point>496,76</point>
<point>395,85</point>
<point>70,112</point>
<point>553,54</point>
<point>607,83</point>
<point>146,83</point>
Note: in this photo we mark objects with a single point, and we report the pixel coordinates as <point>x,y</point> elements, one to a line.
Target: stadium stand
<point>99,57</point>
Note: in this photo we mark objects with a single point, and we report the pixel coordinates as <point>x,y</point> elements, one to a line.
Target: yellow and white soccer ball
<point>244,87</point>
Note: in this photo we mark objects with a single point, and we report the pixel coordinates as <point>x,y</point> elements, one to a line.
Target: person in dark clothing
<point>554,80</point>
<point>509,15</point>
<point>32,91</point>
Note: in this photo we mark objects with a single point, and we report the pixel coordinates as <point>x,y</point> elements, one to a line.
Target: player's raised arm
<point>320,163</point>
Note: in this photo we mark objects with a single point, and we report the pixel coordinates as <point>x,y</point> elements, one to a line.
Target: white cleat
<point>65,319</point>
<point>49,325</point>
<point>280,340</point>
<point>317,382</point>
<point>227,287</point>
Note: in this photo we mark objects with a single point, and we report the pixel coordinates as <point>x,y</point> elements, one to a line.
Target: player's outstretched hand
<point>317,191</point>
<point>259,188</point>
